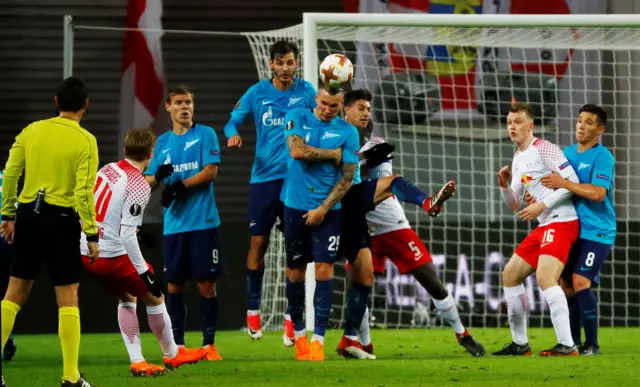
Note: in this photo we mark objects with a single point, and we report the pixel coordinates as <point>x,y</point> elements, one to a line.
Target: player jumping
<point>121,195</point>
<point>546,249</point>
<point>191,240</point>
<point>267,102</point>
<point>593,198</point>
<point>393,238</point>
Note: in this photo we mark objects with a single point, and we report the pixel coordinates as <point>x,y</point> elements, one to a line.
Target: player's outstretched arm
<point>301,151</point>
<point>588,191</point>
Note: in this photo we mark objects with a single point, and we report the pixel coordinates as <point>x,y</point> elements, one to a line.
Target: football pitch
<point>405,358</point>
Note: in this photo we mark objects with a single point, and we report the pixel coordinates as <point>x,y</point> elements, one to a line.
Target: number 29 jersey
<point>121,194</point>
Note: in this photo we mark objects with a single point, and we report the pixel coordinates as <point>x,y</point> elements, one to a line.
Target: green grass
<point>405,358</point>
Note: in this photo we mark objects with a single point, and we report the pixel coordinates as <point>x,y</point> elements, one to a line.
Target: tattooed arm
<point>301,151</point>
<point>316,216</point>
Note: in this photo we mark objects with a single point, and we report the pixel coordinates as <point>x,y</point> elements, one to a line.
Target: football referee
<point>60,161</point>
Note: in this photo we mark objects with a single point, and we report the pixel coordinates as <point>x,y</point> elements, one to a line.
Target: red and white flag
<point>143,85</point>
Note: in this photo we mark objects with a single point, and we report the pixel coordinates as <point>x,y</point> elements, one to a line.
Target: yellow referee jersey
<point>60,157</point>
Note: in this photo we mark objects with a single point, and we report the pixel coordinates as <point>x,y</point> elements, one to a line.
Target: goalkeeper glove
<point>378,154</point>
<point>164,171</point>
<point>173,192</point>
<point>154,285</point>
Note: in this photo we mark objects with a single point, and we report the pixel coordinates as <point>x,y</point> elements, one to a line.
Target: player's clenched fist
<point>235,141</point>
<point>504,176</point>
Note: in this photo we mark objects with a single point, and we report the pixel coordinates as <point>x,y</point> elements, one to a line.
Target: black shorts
<point>354,234</point>
<point>51,237</point>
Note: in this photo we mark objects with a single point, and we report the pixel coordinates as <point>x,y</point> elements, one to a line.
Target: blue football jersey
<point>188,154</point>
<point>307,184</point>
<point>269,107</point>
<point>595,166</point>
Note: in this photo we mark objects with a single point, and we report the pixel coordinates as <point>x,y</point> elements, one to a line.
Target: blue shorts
<point>355,230</point>
<point>192,254</point>
<point>586,259</point>
<point>265,206</point>
<point>304,244</point>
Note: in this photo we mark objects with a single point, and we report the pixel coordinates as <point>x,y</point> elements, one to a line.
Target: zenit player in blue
<point>316,182</point>
<point>267,102</point>
<point>593,199</point>
<point>191,240</point>
<point>9,349</point>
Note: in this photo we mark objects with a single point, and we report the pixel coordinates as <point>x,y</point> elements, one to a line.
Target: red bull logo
<point>526,180</point>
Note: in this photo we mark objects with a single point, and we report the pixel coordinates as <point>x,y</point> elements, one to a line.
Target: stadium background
<point>220,69</point>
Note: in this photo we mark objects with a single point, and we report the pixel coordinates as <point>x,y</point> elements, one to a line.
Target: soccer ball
<point>336,70</point>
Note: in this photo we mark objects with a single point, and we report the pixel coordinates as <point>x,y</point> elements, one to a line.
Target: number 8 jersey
<point>121,194</point>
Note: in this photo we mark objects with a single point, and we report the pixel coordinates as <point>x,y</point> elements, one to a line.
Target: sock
<point>317,337</point>
<point>254,286</point>
<point>160,324</point>
<point>209,319</point>
<point>69,332</point>
<point>589,312</point>
<point>295,295</point>
<point>517,313</point>
<point>299,334</point>
<point>559,312</point>
<point>9,312</point>
<point>130,330</point>
<point>363,333</point>
<point>575,319</point>
<point>322,306</point>
<point>449,313</point>
<point>178,312</point>
<point>406,191</point>
<point>287,314</point>
<point>357,300</point>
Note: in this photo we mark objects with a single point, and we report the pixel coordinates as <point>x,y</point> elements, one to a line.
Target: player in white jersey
<point>546,249</point>
<point>121,195</point>
<point>392,236</point>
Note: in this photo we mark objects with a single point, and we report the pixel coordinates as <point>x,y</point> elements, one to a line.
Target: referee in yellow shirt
<point>60,161</point>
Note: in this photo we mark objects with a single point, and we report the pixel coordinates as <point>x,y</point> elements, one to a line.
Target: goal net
<point>442,87</point>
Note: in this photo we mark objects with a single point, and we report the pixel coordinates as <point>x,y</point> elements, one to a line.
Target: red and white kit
<point>391,234</point>
<point>121,195</point>
<point>558,225</point>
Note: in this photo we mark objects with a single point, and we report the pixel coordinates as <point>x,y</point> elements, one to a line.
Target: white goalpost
<point>442,85</point>
<point>555,62</point>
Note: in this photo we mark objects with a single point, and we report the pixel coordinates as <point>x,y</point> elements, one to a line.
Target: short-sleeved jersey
<point>530,166</point>
<point>189,154</point>
<point>269,106</point>
<point>121,195</point>
<point>0,189</point>
<point>308,184</point>
<point>388,216</point>
<point>595,166</point>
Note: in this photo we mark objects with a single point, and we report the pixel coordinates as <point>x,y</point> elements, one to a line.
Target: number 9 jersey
<point>121,194</point>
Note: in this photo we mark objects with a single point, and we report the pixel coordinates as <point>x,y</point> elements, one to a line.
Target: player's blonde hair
<point>139,143</point>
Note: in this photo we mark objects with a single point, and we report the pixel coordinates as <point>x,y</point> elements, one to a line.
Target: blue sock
<point>254,286</point>
<point>406,191</point>
<point>178,312</point>
<point>208,319</point>
<point>589,311</point>
<point>575,320</point>
<point>357,300</point>
<point>322,305</point>
<point>295,295</point>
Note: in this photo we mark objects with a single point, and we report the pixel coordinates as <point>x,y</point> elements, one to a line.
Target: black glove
<point>378,154</point>
<point>154,285</point>
<point>173,192</point>
<point>164,171</point>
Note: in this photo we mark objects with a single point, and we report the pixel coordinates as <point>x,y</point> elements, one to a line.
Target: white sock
<point>518,313</point>
<point>363,333</point>
<point>160,324</point>
<point>287,317</point>
<point>253,312</point>
<point>317,337</point>
<point>449,313</point>
<point>130,329</point>
<point>301,333</point>
<point>559,311</point>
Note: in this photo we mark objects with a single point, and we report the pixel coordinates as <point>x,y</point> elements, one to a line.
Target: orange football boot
<point>317,351</point>
<point>212,354</point>
<point>302,348</point>
<point>142,368</point>
<point>184,356</point>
